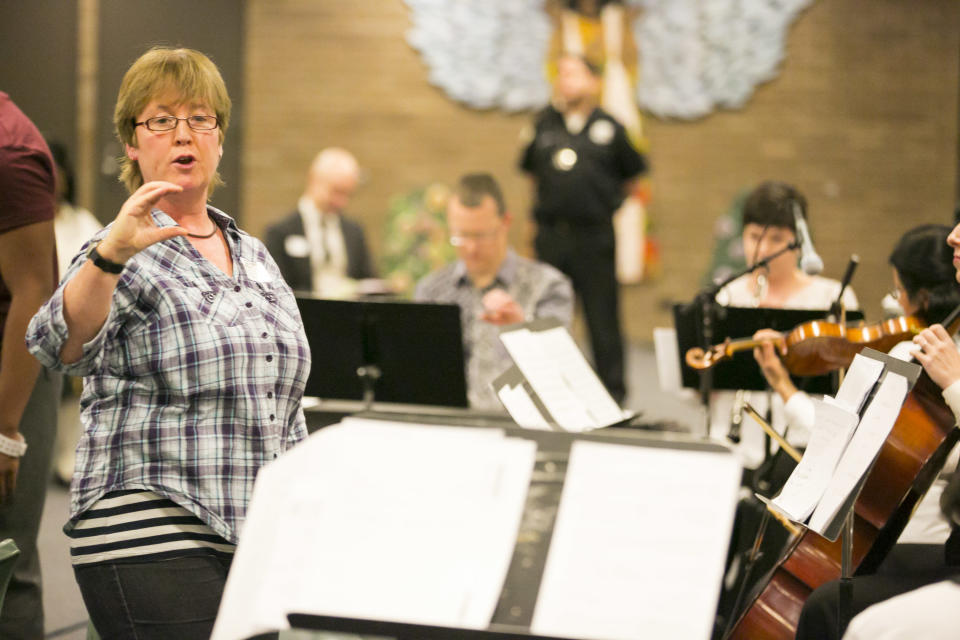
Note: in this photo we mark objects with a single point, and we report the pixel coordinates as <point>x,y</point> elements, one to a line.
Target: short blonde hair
<point>185,72</point>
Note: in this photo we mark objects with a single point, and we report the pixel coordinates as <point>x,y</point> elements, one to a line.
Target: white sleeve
<point>952,397</point>
<point>801,416</point>
<point>928,613</point>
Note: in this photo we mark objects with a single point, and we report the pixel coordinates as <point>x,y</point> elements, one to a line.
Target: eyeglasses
<point>169,123</point>
<point>460,239</point>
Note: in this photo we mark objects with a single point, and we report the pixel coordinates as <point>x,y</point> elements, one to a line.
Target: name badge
<point>296,246</point>
<point>257,271</point>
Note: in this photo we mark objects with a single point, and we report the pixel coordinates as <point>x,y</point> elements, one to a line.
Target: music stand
<point>741,370</point>
<point>402,352</point>
<point>529,588</point>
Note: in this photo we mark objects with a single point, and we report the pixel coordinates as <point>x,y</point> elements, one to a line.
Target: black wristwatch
<point>102,263</point>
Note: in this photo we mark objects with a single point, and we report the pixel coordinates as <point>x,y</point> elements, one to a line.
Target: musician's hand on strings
<point>938,354</point>
<point>767,355</point>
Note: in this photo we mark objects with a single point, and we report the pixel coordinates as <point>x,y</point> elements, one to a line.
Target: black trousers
<point>22,615</point>
<point>587,255</point>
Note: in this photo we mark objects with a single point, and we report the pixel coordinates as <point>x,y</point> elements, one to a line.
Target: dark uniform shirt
<point>580,176</point>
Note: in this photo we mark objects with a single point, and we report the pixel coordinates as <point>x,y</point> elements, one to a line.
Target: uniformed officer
<point>583,165</point>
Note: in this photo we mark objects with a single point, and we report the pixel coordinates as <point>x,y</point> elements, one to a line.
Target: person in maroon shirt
<point>28,396</point>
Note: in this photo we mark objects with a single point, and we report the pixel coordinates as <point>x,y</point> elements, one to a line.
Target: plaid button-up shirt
<point>194,381</point>
<point>539,289</point>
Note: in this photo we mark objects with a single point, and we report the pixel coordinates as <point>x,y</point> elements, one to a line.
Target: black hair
<point>924,262</point>
<point>772,204</point>
<point>473,187</point>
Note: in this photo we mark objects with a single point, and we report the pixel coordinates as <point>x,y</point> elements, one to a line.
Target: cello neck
<point>952,322</point>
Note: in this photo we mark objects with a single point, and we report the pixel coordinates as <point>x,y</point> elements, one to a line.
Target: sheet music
<point>639,544</point>
<point>834,426</point>
<point>521,407</point>
<point>562,378</point>
<point>857,383</point>
<point>875,426</point>
<point>402,522</point>
<point>668,359</point>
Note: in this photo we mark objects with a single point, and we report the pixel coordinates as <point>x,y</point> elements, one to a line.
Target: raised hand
<point>134,228</point>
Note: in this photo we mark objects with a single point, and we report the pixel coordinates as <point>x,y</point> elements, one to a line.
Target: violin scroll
<point>698,358</point>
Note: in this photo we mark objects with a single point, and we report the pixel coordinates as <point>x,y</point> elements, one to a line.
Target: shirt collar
<point>505,274</point>
<point>225,222</point>
<point>309,212</point>
<point>163,219</point>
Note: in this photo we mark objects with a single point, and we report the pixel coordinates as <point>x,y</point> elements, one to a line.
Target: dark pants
<point>909,567</point>
<point>587,256</point>
<point>22,615</point>
<point>176,598</point>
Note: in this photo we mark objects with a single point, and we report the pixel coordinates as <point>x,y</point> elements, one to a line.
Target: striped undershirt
<point>140,525</point>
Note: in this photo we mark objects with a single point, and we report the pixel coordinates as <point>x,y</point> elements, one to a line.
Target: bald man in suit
<point>317,244</point>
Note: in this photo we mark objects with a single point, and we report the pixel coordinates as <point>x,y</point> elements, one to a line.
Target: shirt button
<point>249,304</point>
<point>272,417</point>
<point>269,358</point>
<point>263,335</point>
<point>237,288</point>
<point>269,394</point>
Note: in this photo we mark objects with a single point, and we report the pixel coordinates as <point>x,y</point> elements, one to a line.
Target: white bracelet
<point>13,447</point>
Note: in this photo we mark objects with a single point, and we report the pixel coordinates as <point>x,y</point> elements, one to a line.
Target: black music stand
<point>402,352</point>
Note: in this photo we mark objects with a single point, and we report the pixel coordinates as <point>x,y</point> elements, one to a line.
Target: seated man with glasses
<point>491,283</point>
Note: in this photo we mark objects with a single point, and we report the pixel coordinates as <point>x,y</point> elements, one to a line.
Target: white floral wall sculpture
<point>695,56</point>
<point>700,55</point>
<point>485,53</point>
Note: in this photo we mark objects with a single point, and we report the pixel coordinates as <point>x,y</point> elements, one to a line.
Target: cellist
<point>926,271</point>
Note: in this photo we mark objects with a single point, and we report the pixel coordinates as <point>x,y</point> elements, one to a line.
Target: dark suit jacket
<point>296,271</point>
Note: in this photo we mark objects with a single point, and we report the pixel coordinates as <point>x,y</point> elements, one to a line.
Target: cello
<point>909,460</point>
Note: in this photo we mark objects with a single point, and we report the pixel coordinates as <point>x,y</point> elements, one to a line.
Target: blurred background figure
<point>583,165</point>
<point>317,247</point>
<point>492,285</point>
<point>28,392</point>
<point>73,226</point>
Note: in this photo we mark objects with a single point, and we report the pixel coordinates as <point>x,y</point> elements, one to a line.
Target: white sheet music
<point>834,426</point>
<point>668,359</point>
<point>521,407</point>
<point>875,426</point>
<point>561,376</point>
<point>639,544</point>
<point>365,519</point>
<point>857,383</point>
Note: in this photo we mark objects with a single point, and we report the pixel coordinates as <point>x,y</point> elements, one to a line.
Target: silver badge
<point>601,132</point>
<point>564,159</point>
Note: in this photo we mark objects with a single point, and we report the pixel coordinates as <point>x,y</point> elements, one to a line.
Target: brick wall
<point>863,119</point>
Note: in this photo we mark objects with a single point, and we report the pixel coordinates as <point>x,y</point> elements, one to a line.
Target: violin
<point>818,346</point>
